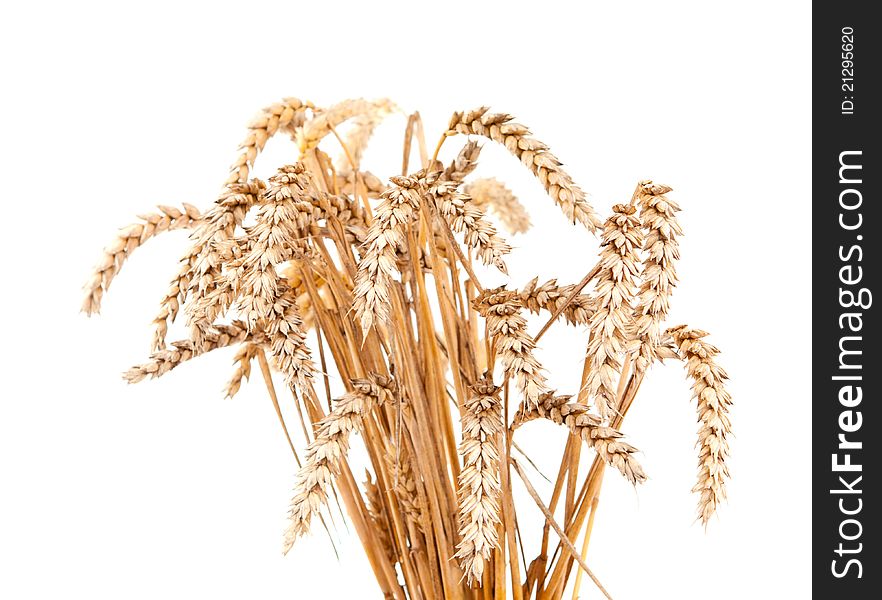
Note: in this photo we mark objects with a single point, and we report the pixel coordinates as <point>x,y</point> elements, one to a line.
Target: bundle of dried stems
<point>438,372</point>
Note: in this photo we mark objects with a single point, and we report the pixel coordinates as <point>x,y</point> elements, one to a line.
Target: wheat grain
<point>127,240</point>
<point>493,194</point>
<point>365,183</point>
<point>294,279</point>
<point>286,340</point>
<point>404,484</point>
<point>479,487</point>
<point>712,403</point>
<point>615,290</point>
<point>658,215</point>
<point>535,155</point>
<point>336,206</point>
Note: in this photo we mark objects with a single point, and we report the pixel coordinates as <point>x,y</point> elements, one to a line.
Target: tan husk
<point>362,294</point>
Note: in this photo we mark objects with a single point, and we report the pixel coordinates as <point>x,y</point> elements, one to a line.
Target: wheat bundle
<point>376,280</point>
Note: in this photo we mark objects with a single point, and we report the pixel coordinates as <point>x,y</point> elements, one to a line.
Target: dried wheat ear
<point>364,289</point>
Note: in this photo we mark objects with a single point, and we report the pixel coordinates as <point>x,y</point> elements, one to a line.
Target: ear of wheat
<point>375,278</point>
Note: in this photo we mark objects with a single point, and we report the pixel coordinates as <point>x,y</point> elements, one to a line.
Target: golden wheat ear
<point>479,487</point>
<point>463,216</point>
<point>195,270</point>
<point>713,403</point>
<point>129,239</point>
<point>328,450</point>
<point>658,216</point>
<point>359,136</point>
<point>622,236</point>
<point>552,298</point>
<point>163,361</point>
<point>465,162</point>
<point>397,208</point>
<point>533,154</point>
<point>376,510</point>
<point>606,441</point>
<point>287,115</point>
<point>244,355</point>
<point>495,196</point>
<point>314,130</point>
<point>514,345</point>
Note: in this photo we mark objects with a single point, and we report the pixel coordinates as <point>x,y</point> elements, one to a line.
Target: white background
<point>165,490</point>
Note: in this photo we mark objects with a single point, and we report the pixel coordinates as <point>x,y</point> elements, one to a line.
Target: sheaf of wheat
<point>327,266</point>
